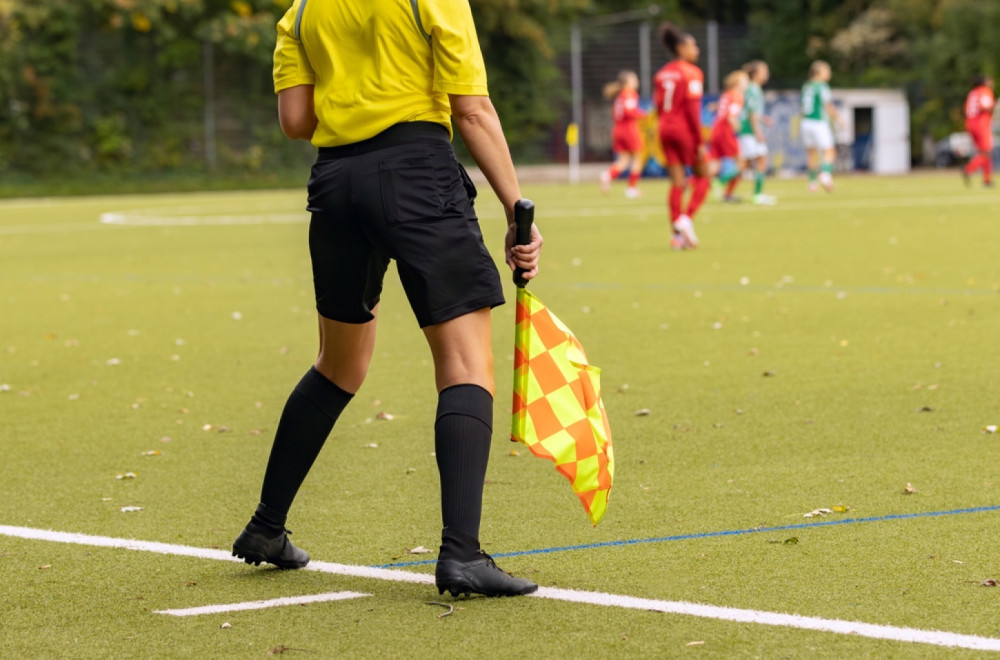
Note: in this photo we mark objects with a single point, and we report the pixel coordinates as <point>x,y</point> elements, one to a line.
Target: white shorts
<point>751,147</point>
<point>816,134</point>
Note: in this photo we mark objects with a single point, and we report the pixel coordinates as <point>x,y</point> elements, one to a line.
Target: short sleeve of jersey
<point>986,100</point>
<point>291,66</point>
<point>825,94</point>
<point>458,60</point>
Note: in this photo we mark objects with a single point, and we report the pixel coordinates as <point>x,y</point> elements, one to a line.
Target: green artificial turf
<point>829,351</point>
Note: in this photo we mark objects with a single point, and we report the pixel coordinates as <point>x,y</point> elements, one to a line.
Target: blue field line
<point>775,288</point>
<point>727,532</point>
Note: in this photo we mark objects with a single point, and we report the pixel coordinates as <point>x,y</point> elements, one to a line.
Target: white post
<point>576,81</point>
<point>712,37</point>
<point>208,62</point>
<point>645,63</point>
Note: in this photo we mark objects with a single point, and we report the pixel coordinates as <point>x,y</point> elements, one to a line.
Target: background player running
<point>817,135</point>
<point>753,148</point>
<point>626,138</point>
<point>723,148</point>
<point>979,123</point>
<point>677,92</point>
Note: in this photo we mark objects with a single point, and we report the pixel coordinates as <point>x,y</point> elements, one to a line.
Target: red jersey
<point>626,136</point>
<point>677,92</point>
<point>730,107</point>
<point>723,142</point>
<point>979,106</point>
<point>626,108</point>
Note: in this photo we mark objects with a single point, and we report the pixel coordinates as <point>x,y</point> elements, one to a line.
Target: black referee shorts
<point>400,195</point>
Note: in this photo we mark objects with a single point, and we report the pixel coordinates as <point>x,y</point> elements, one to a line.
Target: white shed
<point>874,135</point>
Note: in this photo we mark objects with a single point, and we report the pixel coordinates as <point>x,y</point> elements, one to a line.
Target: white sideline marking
<point>263,604</point>
<point>871,630</point>
<point>140,220</point>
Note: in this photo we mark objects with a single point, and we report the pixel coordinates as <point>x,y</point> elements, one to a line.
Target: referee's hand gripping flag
<point>558,413</point>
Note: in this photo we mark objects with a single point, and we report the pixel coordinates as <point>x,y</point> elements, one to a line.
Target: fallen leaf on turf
<point>4,387</point>
<point>992,428</point>
<point>384,415</point>
<point>513,452</point>
<point>152,452</point>
<point>371,445</point>
<point>753,351</point>
<point>643,412</point>
<point>957,561</point>
<point>816,513</point>
<point>113,362</point>
<point>840,508</point>
<point>698,643</point>
<point>988,583</point>
<point>127,475</point>
<point>419,550</point>
<point>791,540</point>
<point>256,431</point>
<point>933,386</point>
<point>623,388</point>
<point>226,625</point>
<point>768,374</point>
<point>909,490</point>
<point>131,509</point>
<point>45,567</point>
<point>925,409</point>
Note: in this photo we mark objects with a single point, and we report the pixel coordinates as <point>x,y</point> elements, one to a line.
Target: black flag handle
<point>524,216</point>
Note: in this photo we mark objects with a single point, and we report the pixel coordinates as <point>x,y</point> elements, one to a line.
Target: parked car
<point>954,149</point>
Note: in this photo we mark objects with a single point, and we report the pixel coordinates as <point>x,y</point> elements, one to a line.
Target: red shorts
<point>982,135</point>
<point>723,144</point>
<point>626,138</point>
<point>679,148</point>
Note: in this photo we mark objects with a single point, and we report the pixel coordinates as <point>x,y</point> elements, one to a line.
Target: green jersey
<point>815,96</point>
<point>753,106</point>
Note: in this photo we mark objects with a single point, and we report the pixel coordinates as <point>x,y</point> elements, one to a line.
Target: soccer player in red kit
<point>978,122</point>
<point>723,145</point>
<point>625,137</point>
<point>677,92</point>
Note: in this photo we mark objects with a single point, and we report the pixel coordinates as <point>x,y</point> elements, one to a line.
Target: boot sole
<point>465,589</point>
<point>256,559</point>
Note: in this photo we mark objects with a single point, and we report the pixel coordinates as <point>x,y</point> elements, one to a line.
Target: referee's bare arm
<point>296,113</point>
<point>477,122</point>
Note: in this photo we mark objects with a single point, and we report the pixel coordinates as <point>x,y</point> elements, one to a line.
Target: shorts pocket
<point>411,188</point>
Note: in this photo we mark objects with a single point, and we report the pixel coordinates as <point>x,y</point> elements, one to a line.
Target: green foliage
<point>119,85</point>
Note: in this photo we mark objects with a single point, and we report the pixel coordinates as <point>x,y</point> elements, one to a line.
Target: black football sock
<point>462,435</point>
<point>309,415</point>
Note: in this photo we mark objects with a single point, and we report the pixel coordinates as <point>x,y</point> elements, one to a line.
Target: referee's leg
<point>307,419</point>
<point>463,430</point>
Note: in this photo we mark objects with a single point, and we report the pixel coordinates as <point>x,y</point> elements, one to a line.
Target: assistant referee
<point>375,86</point>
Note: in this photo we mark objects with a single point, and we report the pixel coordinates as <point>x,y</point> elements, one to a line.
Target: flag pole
<point>524,216</point>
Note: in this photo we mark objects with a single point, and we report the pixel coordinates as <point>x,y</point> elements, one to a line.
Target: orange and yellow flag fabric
<point>558,411</point>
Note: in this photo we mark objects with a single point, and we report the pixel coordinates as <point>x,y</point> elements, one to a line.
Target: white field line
<point>874,631</point>
<point>263,604</point>
<point>199,220</point>
<point>201,216</point>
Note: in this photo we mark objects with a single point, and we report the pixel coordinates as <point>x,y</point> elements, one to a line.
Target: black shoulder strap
<point>415,5</point>
<point>298,19</point>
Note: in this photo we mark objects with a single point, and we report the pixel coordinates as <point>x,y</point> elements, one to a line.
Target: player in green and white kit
<point>753,148</point>
<point>817,135</point>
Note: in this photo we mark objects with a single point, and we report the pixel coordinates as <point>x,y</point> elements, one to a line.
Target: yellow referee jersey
<point>375,63</point>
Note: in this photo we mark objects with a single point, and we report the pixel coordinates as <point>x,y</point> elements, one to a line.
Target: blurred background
<point>111,94</point>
